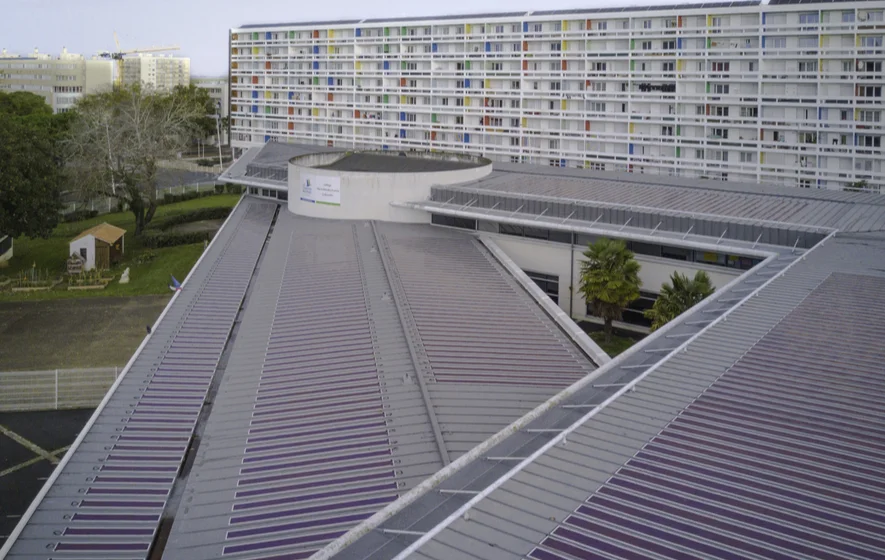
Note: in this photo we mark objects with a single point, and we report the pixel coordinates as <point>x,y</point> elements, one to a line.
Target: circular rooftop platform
<point>361,185</point>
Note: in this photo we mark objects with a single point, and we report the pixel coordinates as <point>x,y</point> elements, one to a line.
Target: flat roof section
<point>396,163</point>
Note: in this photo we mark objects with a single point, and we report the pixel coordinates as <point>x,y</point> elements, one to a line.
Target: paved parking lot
<point>31,445</point>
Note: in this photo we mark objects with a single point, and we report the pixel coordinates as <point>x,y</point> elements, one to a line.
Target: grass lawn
<point>146,278</point>
<point>616,346</point>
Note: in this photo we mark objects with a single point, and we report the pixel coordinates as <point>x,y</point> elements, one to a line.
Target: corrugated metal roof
<point>798,207</point>
<point>112,489</point>
<point>348,384</point>
<point>760,440</point>
<point>104,231</point>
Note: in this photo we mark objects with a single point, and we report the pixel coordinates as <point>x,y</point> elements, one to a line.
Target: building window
<point>720,111</point>
<point>669,45</point>
<point>721,89</point>
<point>646,24</point>
<point>778,42</point>
<point>548,283</point>
<point>668,67</point>
<point>667,130</point>
<point>749,112</point>
<point>601,25</point>
<point>646,45</point>
<point>748,157</point>
<point>451,221</point>
<point>848,17</point>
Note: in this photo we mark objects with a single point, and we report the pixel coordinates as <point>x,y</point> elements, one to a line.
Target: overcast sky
<point>200,27</point>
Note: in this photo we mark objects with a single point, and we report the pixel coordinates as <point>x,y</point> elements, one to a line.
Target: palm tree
<point>609,280</point>
<point>678,296</point>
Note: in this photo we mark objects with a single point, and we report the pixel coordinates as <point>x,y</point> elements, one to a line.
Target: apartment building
<point>786,92</point>
<point>59,80</point>
<point>159,72</point>
<point>219,91</point>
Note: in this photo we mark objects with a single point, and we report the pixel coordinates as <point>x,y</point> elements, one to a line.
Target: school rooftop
<point>359,389</point>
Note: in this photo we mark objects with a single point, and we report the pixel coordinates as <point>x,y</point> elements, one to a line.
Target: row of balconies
<point>509,35</point>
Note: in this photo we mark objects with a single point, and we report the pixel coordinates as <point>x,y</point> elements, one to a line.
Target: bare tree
<point>118,138</point>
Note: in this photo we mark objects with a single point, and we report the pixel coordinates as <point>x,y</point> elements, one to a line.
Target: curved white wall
<point>351,195</point>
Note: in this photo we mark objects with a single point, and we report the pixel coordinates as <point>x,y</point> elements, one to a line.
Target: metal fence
<point>106,204</point>
<point>55,388</point>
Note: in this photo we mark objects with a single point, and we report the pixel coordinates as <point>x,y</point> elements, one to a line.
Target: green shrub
<point>159,239</point>
<point>79,215</point>
<point>193,216</point>
<point>234,189</point>
<point>219,189</point>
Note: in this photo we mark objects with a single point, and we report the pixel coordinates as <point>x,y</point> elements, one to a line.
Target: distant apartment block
<point>59,80</point>
<point>786,92</point>
<point>219,91</point>
<point>158,72</point>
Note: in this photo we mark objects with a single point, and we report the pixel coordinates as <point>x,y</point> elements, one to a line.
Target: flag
<point>175,286</point>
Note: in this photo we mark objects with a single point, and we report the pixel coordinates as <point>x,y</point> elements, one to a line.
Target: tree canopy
<point>30,165</point>
<point>609,280</point>
<point>118,138</point>
<point>678,296</point>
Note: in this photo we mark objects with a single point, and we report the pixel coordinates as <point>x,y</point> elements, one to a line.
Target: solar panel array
<point>780,458</point>
<point>493,352</point>
<point>306,441</point>
<point>782,2</point>
<point>349,320</point>
<point>109,499</point>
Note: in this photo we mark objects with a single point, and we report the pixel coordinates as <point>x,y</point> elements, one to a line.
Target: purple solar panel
<point>780,458</point>
<point>152,436</point>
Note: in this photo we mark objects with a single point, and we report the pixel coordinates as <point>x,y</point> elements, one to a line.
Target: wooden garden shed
<point>99,246</point>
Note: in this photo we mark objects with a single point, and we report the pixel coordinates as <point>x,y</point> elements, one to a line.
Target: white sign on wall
<point>321,190</point>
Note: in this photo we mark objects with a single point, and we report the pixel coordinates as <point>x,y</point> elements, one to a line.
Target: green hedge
<point>193,216</point>
<point>79,215</point>
<point>153,239</point>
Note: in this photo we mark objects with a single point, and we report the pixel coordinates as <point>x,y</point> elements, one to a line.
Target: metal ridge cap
<point>38,499</point>
<point>572,331</point>
<point>580,422</point>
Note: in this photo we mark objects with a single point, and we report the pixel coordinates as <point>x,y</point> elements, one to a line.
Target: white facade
<point>786,94</point>
<point>61,80</point>
<point>219,91</point>
<point>163,73</point>
<point>84,247</point>
<point>354,195</point>
<point>564,262</point>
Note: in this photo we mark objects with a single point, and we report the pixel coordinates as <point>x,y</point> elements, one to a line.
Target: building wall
<point>564,261</point>
<point>367,196</point>
<point>61,81</point>
<point>88,243</point>
<point>786,94</point>
<point>219,92</point>
<point>159,72</point>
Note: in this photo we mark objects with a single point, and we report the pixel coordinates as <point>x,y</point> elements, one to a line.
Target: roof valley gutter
<point>410,331</point>
<point>562,435</point>
<point>172,504</point>
<point>571,330</point>
<point>7,546</point>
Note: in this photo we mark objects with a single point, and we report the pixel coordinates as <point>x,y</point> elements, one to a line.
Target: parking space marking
<point>33,447</point>
<point>30,462</point>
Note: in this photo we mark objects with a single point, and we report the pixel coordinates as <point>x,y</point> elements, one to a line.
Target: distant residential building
<point>158,72</point>
<point>59,80</point>
<point>220,93</point>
